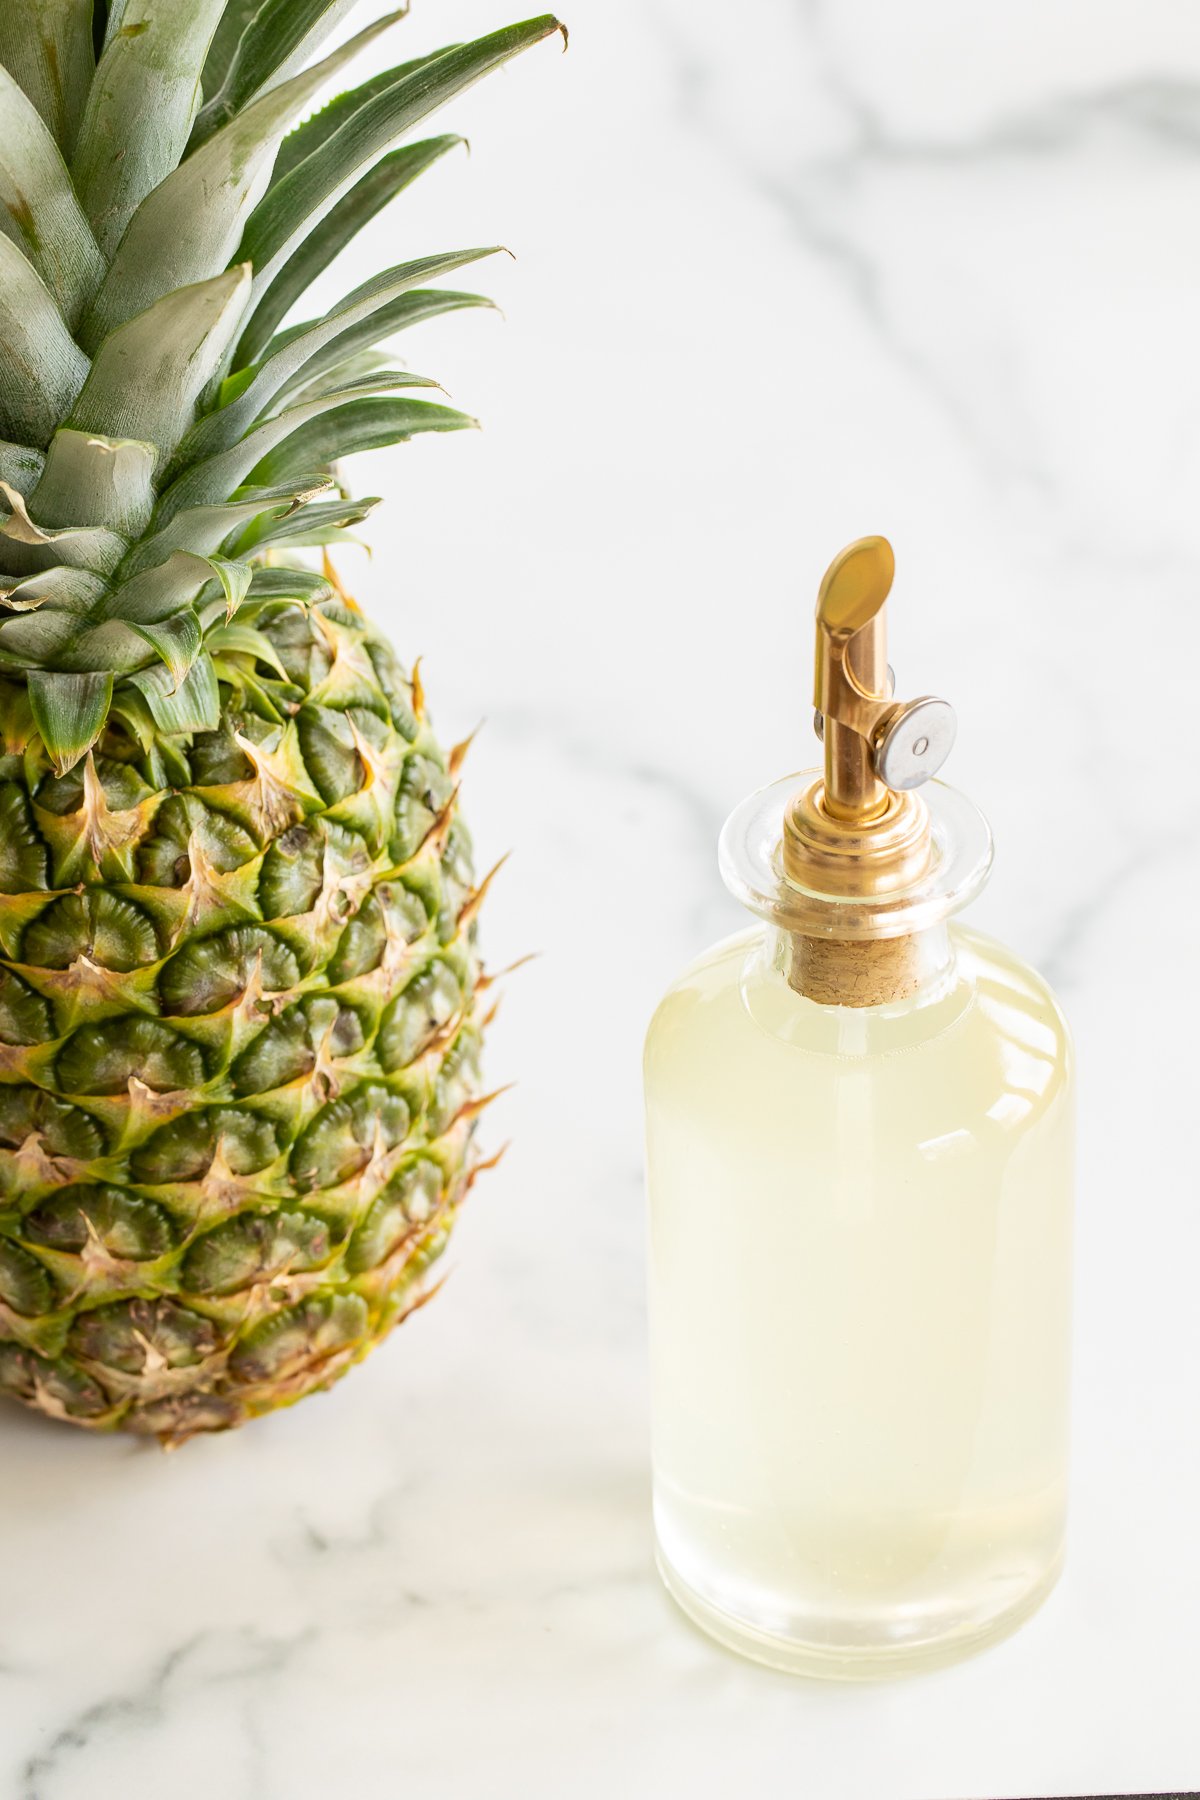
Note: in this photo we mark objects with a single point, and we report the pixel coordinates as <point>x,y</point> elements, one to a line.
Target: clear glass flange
<point>751,865</point>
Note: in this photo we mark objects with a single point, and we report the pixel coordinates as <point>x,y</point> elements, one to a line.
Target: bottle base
<point>854,1662</point>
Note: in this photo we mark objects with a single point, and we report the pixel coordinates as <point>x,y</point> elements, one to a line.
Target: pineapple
<point>240,998</point>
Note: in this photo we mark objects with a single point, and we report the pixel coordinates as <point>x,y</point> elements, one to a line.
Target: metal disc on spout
<point>915,744</point>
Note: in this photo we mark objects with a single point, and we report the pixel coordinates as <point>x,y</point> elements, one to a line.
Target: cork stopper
<point>856,972</point>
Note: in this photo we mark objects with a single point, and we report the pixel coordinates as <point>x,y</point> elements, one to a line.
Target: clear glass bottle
<point>859,1163</point>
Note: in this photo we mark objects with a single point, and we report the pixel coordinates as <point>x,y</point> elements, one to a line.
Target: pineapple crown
<point>162,425</point>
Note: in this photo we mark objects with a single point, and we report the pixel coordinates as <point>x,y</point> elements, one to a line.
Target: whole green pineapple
<point>239,991</point>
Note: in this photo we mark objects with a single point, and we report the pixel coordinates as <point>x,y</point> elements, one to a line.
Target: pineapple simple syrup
<point>859,1160</point>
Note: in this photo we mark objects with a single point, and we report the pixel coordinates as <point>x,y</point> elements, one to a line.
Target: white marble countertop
<point>788,272</point>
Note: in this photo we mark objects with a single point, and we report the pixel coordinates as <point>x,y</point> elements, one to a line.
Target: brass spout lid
<point>850,862</point>
<point>860,829</point>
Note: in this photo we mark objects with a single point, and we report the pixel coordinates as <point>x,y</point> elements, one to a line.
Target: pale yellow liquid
<point>860,1226</point>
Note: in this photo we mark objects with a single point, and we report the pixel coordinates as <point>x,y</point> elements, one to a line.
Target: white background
<point>788,272</point>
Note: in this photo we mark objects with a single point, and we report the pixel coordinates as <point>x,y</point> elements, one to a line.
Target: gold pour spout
<point>859,830</point>
<point>874,745</point>
<point>851,678</point>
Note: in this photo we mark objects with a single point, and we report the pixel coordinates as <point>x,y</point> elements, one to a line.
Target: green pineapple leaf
<point>357,425</point>
<point>193,704</point>
<point>325,522</point>
<point>42,368</point>
<point>44,217</point>
<point>46,46</point>
<point>275,41</point>
<point>92,479</point>
<point>160,592</point>
<point>244,640</point>
<point>58,589</point>
<point>149,372</point>
<point>412,308</point>
<point>176,641</point>
<point>69,712</point>
<point>234,578</point>
<point>26,548</point>
<point>147,74</point>
<point>21,466</point>
<point>269,582</point>
<point>226,38</point>
<point>311,133</point>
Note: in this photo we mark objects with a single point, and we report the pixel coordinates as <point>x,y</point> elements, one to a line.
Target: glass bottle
<point>859,1161</point>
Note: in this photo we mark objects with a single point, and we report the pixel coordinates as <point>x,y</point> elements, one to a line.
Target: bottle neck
<point>857,948</point>
<point>895,971</point>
